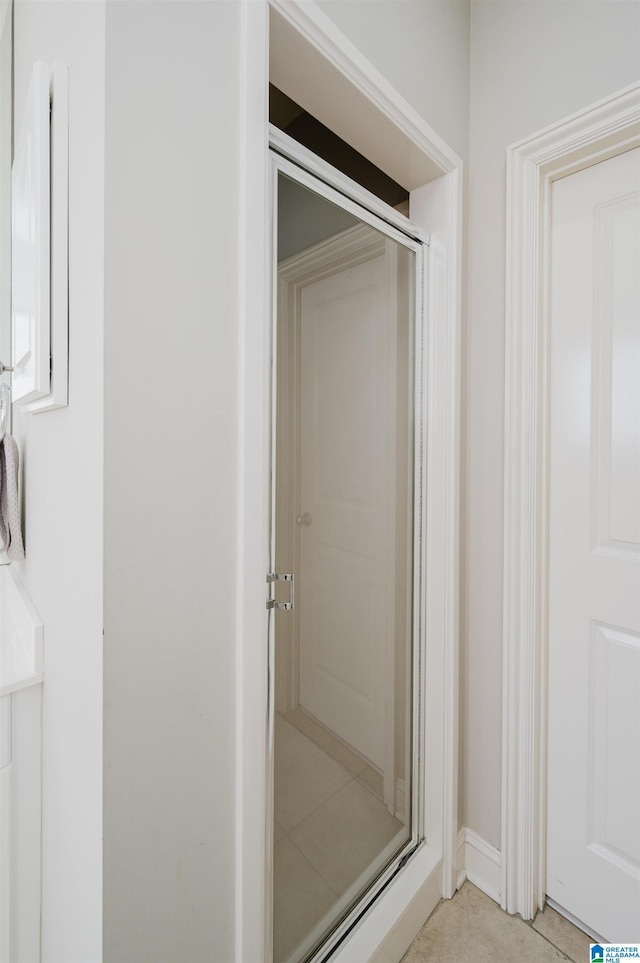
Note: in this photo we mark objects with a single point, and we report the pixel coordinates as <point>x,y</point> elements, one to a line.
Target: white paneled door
<point>593,791</point>
<point>347,470</point>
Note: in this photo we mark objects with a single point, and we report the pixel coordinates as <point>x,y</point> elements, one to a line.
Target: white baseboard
<point>480,863</point>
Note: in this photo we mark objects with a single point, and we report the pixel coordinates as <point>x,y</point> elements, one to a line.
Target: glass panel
<point>344,527</point>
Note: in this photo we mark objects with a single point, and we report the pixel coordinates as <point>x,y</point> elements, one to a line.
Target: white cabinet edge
<point>21,636</point>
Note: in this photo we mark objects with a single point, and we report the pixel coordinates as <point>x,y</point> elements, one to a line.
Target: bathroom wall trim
<point>480,863</point>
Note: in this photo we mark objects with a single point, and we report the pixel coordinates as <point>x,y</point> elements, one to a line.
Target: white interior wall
<point>171,437</point>
<point>62,460</point>
<point>532,63</point>
<point>422,49</point>
<point>171,430</point>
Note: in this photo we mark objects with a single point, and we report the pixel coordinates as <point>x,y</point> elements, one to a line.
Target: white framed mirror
<point>6,154</point>
<point>6,151</point>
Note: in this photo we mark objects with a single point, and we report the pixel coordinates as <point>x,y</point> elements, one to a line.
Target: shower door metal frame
<point>291,159</point>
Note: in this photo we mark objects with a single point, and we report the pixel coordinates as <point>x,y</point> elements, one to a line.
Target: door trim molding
<point>609,127</point>
<point>342,81</point>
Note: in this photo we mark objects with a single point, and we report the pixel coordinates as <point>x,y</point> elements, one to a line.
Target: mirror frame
<point>6,157</point>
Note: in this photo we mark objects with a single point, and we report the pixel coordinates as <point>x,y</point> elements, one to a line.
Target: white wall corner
<point>480,863</point>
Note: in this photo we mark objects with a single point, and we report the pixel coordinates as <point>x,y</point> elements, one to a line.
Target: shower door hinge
<point>284,606</point>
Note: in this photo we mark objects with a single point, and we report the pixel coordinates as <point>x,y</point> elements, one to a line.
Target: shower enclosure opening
<point>346,531</point>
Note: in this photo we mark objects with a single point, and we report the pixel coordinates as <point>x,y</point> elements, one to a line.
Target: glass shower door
<point>344,707</point>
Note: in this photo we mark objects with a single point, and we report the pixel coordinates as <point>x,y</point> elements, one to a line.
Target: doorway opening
<point>346,535</point>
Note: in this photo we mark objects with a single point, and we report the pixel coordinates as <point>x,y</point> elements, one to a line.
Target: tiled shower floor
<point>330,824</point>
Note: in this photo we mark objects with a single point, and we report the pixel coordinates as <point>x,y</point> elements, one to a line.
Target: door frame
<point>313,60</point>
<point>594,134</point>
<point>290,158</point>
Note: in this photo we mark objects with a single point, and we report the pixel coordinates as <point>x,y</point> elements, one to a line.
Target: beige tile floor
<point>330,823</point>
<point>330,826</point>
<point>471,928</point>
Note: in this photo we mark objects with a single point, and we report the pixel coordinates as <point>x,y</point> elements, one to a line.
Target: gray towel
<point>10,525</point>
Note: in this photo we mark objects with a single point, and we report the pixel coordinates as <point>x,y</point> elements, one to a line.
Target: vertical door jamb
<point>593,134</point>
